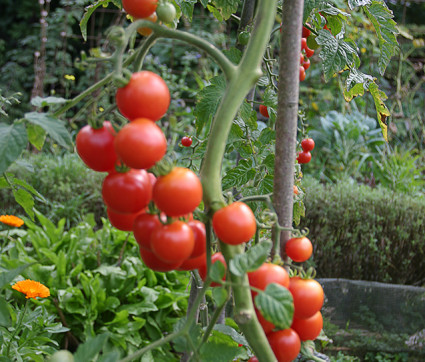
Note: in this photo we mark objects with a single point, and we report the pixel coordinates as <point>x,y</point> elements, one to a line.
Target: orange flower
<point>32,289</point>
<point>11,220</point>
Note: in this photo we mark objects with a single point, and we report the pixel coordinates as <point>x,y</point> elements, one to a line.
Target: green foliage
<point>364,233</point>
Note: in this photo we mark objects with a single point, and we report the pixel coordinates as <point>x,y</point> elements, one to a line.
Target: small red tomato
<point>302,73</point>
<point>304,157</point>
<point>143,226</point>
<point>266,274</point>
<point>235,223</point>
<point>173,243</point>
<point>253,359</point>
<point>95,146</point>
<point>140,144</point>
<point>285,344</point>
<point>199,233</point>
<point>121,221</point>
<point>306,64</point>
<point>299,249</point>
<point>193,263</point>
<point>307,144</point>
<point>216,257</point>
<point>139,8</point>
<point>186,141</point>
<point>306,32</point>
<point>308,329</point>
<point>263,110</point>
<point>301,58</point>
<point>309,52</point>
<point>303,44</point>
<point>308,296</point>
<point>154,263</point>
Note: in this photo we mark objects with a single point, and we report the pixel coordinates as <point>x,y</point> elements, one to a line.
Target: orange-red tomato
<point>308,329</point>
<point>285,344</point>
<point>154,263</point>
<point>299,249</point>
<point>266,274</point>
<point>308,297</point>
<point>139,8</point>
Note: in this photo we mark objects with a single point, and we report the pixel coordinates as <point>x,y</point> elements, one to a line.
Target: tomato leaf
<point>186,7</point>
<point>276,305</point>
<point>248,116</point>
<point>220,296</point>
<point>298,212</point>
<point>181,344</point>
<point>47,101</point>
<point>231,332</point>
<point>13,140</point>
<point>233,54</point>
<point>227,347</point>
<point>89,10</point>
<point>36,136</point>
<point>356,3</point>
<point>385,27</point>
<point>217,271</point>
<point>251,260</point>
<point>53,126</point>
<point>239,175</point>
<point>226,7</point>
<point>381,109</point>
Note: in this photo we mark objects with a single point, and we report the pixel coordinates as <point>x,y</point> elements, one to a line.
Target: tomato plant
<point>140,144</point>
<point>127,192</point>
<point>308,296</point>
<point>309,328</point>
<point>145,96</point>
<point>139,8</point>
<point>285,344</point>
<point>235,223</point>
<point>95,146</point>
<point>299,249</point>
<point>178,193</point>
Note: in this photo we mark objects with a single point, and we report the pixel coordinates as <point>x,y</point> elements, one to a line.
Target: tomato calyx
<point>162,167</point>
<point>121,80</point>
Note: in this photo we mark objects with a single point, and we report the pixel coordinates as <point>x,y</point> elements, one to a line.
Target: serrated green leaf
<point>13,140</point>
<point>248,116</point>
<point>208,100</point>
<point>356,3</point>
<point>381,109</point>
<point>265,186</point>
<point>187,8</point>
<point>336,54</point>
<point>36,135</point>
<point>219,348</point>
<point>220,296</point>
<point>270,98</point>
<point>251,260</point>
<point>233,54</point>
<point>267,135</point>
<point>298,212</point>
<point>53,126</point>
<point>276,305</point>
<point>47,101</point>
<point>269,163</point>
<point>226,7</point>
<point>88,350</point>
<point>240,175</point>
<point>88,11</point>
<point>385,27</point>
<point>357,77</point>
<point>26,200</point>
<point>217,271</point>
<point>232,333</point>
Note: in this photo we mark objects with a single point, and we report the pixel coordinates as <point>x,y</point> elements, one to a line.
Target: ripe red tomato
<point>139,8</point>
<point>299,249</point>
<point>143,226</point>
<point>285,344</point>
<point>147,31</point>
<point>265,324</point>
<point>309,52</point>
<point>302,73</point>
<point>306,32</point>
<point>199,233</point>
<point>178,193</point>
<point>140,144</point>
<point>193,263</point>
<point>235,223</point>
<point>121,221</point>
<point>306,64</point>
<point>154,263</point>
<point>127,192</point>
<point>95,146</point>
<point>304,157</point>
<point>216,257</point>
<point>173,242</point>
<point>308,297</point>
<point>266,274</point>
<point>307,144</point>
<point>263,110</point>
<point>253,359</point>
<point>186,141</point>
<point>301,58</point>
<point>145,96</point>
<point>308,329</point>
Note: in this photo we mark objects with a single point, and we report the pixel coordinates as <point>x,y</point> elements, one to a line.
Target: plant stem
<point>287,115</point>
<point>18,327</point>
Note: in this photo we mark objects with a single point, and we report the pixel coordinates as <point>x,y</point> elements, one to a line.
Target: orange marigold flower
<point>32,289</point>
<point>11,220</point>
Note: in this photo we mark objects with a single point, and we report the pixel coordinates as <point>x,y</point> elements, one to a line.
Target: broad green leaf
<point>215,12</point>
<point>217,271</point>
<point>88,350</point>
<point>233,54</point>
<point>53,126</point>
<point>207,102</point>
<point>47,101</point>
<point>7,276</point>
<point>381,109</point>
<point>239,175</point>
<point>385,27</point>
<point>112,356</point>
<point>5,319</point>
<point>356,3</point>
<point>26,200</point>
<point>226,7</point>
<point>89,10</point>
<point>13,140</point>
<point>36,135</point>
<point>220,347</point>
<point>276,305</point>
<point>187,7</point>
<point>28,187</point>
<point>336,53</point>
<point>231,332</point>
<point>181,344</point>
<point>219,296</point>
<point>251,260</point>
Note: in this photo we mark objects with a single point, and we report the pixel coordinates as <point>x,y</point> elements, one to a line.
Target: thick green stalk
<point>243,79</point>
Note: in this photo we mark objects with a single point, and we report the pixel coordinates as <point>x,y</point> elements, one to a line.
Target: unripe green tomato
<point>166,12</point>
<point>61,356</point>
<point>243,38</point>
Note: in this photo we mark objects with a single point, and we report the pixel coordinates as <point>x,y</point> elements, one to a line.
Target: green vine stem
<point>244,78</point>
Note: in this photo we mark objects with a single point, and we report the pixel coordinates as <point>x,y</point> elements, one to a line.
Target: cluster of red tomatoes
<point>306,53</point>
<point>307,144</point>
